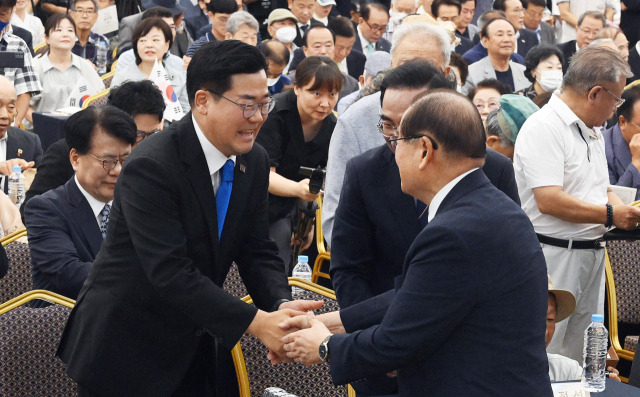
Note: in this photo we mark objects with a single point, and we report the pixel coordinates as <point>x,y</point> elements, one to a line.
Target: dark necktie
<point>104,219</point>
<point>224,193</point>
<point>423,213</point>
<point>303,29</point>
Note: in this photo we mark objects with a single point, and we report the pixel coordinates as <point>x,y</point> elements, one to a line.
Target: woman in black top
<point>297,133</point>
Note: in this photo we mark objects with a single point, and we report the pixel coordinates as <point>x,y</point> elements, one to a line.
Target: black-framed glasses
<point>141,135</point>
<point>86,13</point>
<point>619,101</point>
<point>110,164</point>
<point>251,108</point>
<point>394,141</point>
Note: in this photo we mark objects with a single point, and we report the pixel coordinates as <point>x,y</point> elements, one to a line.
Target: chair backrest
<point>98,99</point>
<point>114,65</point>
<point>18,279</point>
<point>106,78</point>
<point>233,284</point>
<point>28,342</point>
<point>323,253</point>
<point>255,372</point>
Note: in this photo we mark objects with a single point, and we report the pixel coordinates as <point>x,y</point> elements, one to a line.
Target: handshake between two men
<point>293,333</point>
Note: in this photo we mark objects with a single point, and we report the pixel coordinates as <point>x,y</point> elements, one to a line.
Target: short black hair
<point>500,5</point>
<point>322,70</point>
<point>7,3</point>
<point>459,132</point>
<point>81,126</point>
<point>437,3</point>
<point>458,61</point>
<point>414,74</point>
<point>143,28</point>
<point>631,96</point>
<point>275,51</point>
<point>306,35</point>
<point>537,54</point>
<point>54,21</point>
<point>138,97</point>
<point>222,6</point>
<point>485,29</point>
<point>341,26</point>
<point>157,12</point>
<point>539,3</point>
<point>365,9</point>
<point>497,85</point>
<point>213,65</point>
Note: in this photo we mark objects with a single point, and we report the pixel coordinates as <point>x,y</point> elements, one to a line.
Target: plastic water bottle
<point>16,186</point>
<point>303,271</point>
<point>101,57</point>
<point>595,355</point>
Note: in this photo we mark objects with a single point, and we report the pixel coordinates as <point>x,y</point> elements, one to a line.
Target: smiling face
<point>62,37</point>
<point>316,104</point>
<point>486,100</point>
<point>501,39</point>
<point>152,46</point>
<point>92,176</point>
<point>222,122</point>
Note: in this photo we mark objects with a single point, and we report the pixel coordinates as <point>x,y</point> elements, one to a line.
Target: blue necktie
<point>104,219</point>
<point>224,193</point>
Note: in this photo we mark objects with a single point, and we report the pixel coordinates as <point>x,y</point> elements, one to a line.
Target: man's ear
<point>493,141</point>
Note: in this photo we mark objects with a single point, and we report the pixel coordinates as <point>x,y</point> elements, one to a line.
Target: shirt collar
<point>638,47</point>
<point>95,204</point>
<point>566,114</point>
<point>363,41</point>
<point>444,192</point>
<point>5,137</point>
<point>46,62</point>
<point>215,158</point>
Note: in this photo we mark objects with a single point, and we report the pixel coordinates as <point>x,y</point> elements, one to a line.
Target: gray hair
<point>593,14</point>
<point>602,41</point>
<point>239,18</point>
<point>429,31</point>
<point>592,66</point>
<point>72,4</point>
<point>493,128</point>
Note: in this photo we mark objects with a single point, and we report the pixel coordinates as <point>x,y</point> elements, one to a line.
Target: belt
<point>572,244</point>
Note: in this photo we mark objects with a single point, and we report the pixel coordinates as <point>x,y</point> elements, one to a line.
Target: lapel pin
<point>243,168</point>
<point>19,152</point>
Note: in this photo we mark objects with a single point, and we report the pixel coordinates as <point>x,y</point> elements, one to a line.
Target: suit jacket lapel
<point>197,173</point>
<point>83,216</point>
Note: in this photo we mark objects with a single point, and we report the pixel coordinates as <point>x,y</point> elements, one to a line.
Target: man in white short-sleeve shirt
<point>561,172</point>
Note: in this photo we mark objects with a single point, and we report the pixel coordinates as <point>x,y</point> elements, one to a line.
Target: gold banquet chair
<point>30,336</point>
<point>255,373</point>
<point>18,279</point>
<point>622,267</point>
<point>323,253</point>
<point>98,99</point>
<point>107,77</point>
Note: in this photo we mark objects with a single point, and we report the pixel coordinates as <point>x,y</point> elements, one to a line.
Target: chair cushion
<point>630,343</point>
<point>233,284</point>
<point>28,341</point>
<point>19,279</point>
<point>625,266</point>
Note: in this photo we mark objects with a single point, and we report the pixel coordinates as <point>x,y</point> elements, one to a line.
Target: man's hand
<point>6,167</point>
<point>626,217</point>
<point>301,305</point>
<point>302,346</point>
<point>265,327</point>
<point>330,320</point>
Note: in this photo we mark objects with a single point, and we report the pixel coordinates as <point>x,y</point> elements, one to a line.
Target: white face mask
<point>398,17</point>
<point>286,34</point>
<point>272,82</point>
<point>459,88</point>
<point>550,80</point>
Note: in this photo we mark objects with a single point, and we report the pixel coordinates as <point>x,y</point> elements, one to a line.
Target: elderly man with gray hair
<point>242,26</point>
<point>563,182</point>
<point>356,130</point>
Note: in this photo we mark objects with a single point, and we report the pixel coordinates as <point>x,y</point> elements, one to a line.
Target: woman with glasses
<point>486,96</point>
<point>151,40</point>
<point>297,134</point>
<point>59,70</point>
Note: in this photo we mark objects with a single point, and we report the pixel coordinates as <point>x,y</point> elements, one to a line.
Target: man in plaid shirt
<point>24,79</point>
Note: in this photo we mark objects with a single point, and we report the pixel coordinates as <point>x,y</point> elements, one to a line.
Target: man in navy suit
<point>374,18</point>
<point>66,225</point>
<point>472,297</point>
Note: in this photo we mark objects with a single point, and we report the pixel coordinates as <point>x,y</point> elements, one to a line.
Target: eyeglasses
<point>376,28</point>
<point>388,129</point>
<point>251,108</point>
<point>86,13</point>
<point>141,135</point>
<point>589,32</point>
<point>394,141</point>
<point>108,165</point>
<point>481,105</point>
<point>619,101</point>
<point>634,124</point>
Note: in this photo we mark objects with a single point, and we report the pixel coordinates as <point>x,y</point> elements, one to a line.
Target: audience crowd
<point>470,150</point>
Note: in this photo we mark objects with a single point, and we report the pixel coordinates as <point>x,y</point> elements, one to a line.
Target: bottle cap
<point>17,168</point>
<point>303,258</point>
<point>597,318</point>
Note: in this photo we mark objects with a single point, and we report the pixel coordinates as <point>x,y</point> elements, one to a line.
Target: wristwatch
<point>323,350</point>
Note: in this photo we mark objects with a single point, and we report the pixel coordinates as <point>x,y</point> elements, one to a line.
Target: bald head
<point>451,119</point>
<point>6,87</point>
<point>8,100</point>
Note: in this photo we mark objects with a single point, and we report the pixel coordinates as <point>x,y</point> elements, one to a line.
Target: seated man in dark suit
<point>373,21</point>
<point>66,225</point>
<point>478,51</point>
<point>17,147</point>
<point>589,24</point>
<point>474,268</point>
<point>144,103</point>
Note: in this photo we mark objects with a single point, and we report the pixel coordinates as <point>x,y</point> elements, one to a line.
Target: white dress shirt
<point>95,204</point>
<point>215,158</point>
